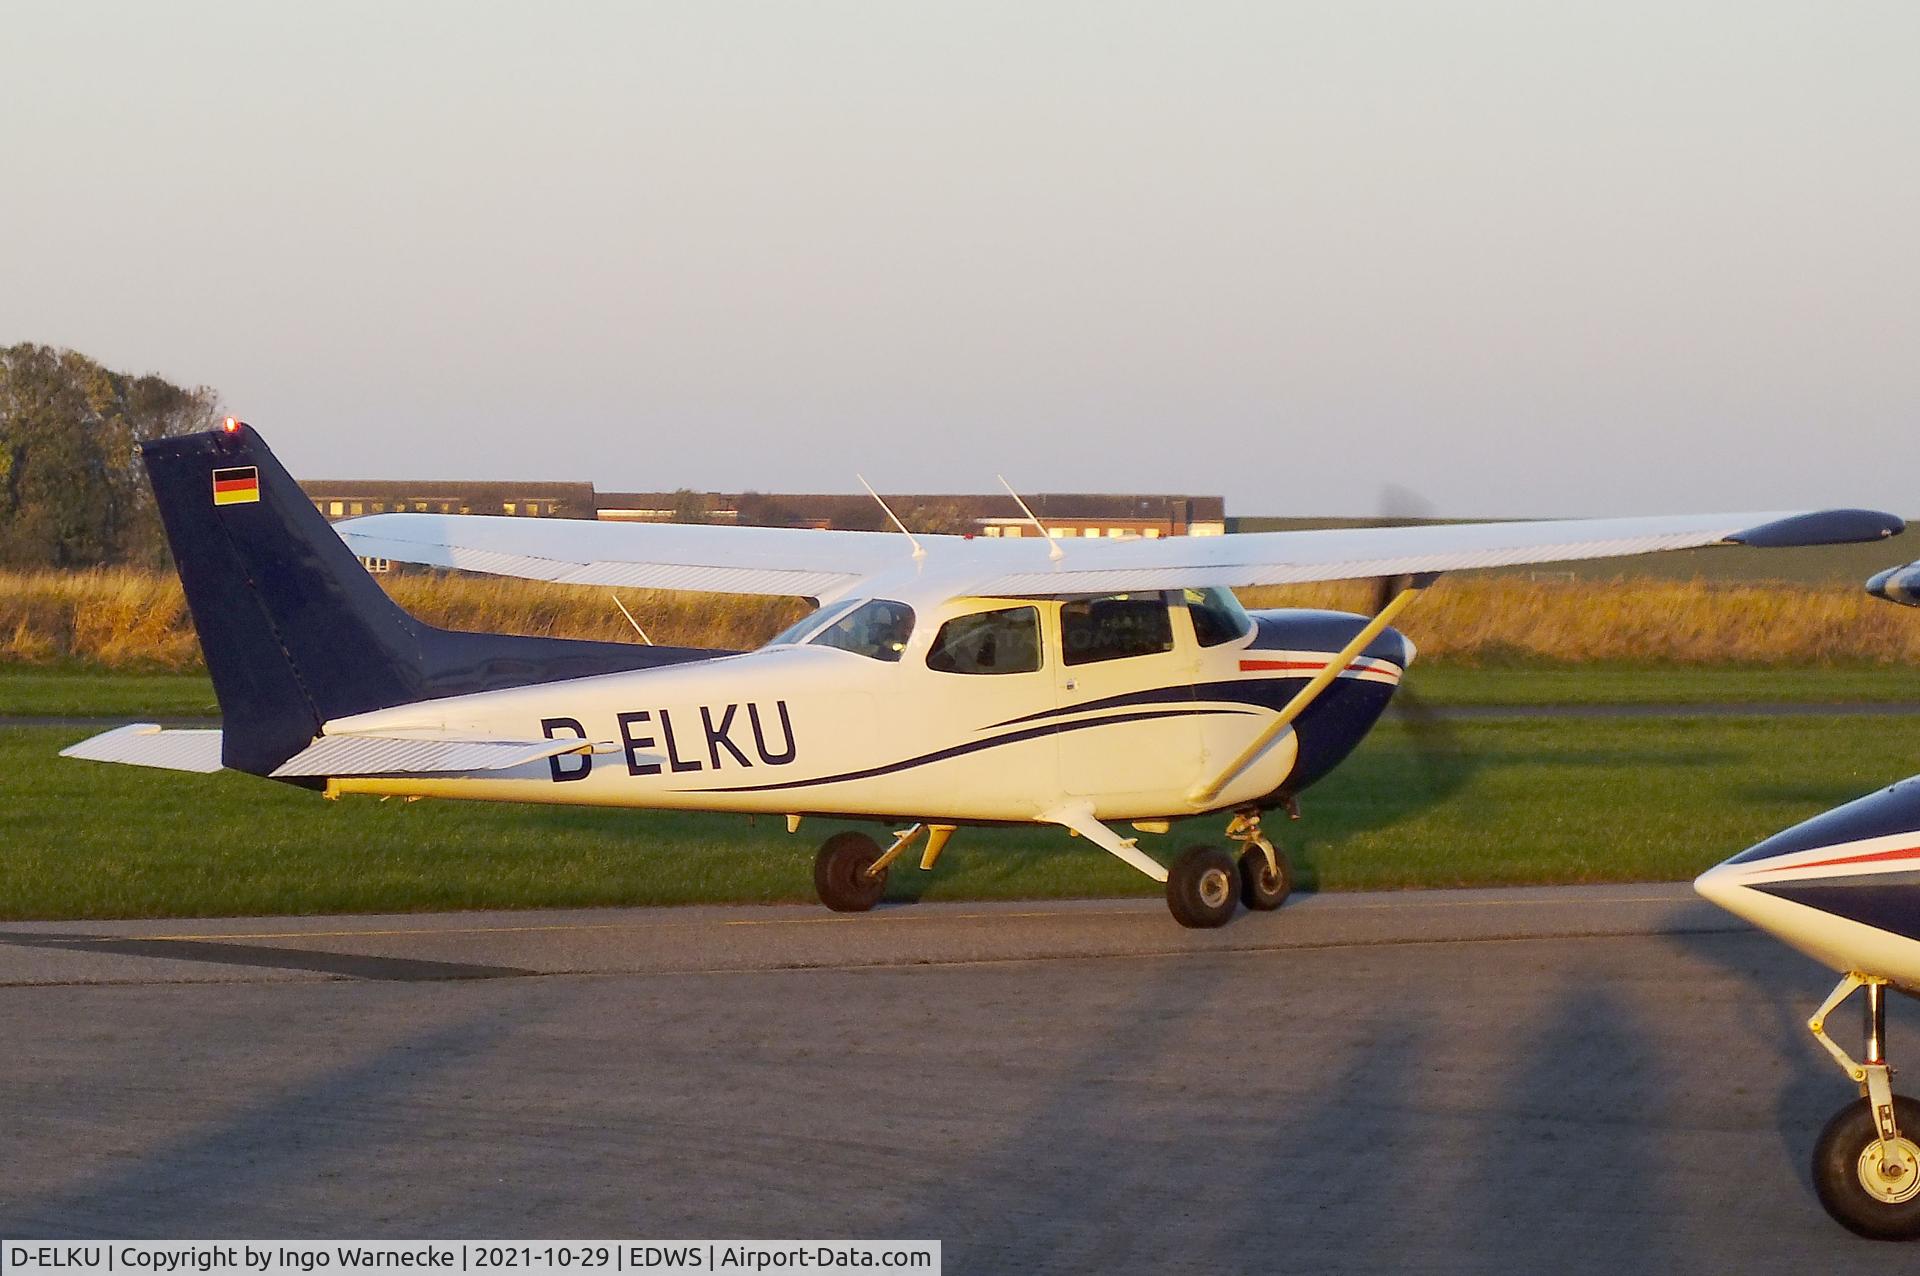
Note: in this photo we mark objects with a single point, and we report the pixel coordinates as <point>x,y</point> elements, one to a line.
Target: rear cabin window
<point>1217,616</point>
<point>988,642</point>
<point>1114,627</point>
<point>878,630</point>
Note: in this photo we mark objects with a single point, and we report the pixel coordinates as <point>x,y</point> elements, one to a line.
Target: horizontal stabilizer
<point>393,755</point>
<point>149,744</point>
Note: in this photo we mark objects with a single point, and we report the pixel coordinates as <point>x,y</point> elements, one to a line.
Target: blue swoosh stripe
<point>972,746</point>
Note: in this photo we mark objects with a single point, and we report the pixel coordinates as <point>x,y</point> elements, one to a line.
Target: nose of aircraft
<point>1843,887</point>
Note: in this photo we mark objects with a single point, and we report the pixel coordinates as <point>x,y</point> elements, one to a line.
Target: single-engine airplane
<point>1844,888</point>
<point>943,681</point>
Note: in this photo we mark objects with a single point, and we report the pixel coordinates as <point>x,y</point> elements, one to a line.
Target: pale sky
<point>1523,258</point>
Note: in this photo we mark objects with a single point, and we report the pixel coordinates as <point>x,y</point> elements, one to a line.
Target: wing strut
<point>1205,793</point>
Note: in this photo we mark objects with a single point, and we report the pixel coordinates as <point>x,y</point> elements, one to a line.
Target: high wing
<point>1288,558</point>
<point>728,560</point>
<point>820,564</point>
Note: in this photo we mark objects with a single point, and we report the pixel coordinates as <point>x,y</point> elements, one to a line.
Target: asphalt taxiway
<point>1569,1079</point>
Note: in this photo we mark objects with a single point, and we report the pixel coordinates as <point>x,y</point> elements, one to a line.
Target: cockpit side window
<point>1217,616</point>
<point>1114,628</point>
<point>878,630</point>
<point>1005,641</point>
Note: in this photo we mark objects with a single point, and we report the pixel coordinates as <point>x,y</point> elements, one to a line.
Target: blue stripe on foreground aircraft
<point>1844,888</point>
<point>943,681</point>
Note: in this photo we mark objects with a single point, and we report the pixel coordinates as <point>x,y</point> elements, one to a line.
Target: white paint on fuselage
<point>802,729</point>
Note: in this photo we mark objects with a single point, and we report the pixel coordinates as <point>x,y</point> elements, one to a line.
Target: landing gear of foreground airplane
<point>1203,887</point>
<point>847,873</point>
<point>1866,1165</point>
<point>1266,878</point>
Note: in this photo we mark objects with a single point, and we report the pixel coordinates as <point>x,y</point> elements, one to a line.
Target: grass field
<point>138,622</point>
<point>1487,803</point>
<point>68,692</point>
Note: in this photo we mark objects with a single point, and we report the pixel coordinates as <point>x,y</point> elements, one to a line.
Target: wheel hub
<point>1215,888</point>
<point>1891,1173</point>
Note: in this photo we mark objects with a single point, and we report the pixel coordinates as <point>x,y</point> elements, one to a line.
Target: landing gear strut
<point>1866,1166</point>
<point>1266,878</point>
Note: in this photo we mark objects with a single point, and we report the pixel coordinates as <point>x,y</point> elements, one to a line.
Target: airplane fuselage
<point>800,728</point>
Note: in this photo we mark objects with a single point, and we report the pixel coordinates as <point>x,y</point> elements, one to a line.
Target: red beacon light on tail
<point>231,425</point>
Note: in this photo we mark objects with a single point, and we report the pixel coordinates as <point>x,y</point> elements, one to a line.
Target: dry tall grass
<point>132,620</point>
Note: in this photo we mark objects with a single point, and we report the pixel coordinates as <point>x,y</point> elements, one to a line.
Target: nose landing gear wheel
<point>1260,887</point>
<point>1203,887</point>
<point>841,876</point>
<point>1869,1188</point>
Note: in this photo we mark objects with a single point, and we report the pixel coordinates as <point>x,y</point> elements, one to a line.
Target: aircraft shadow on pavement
<point>225,953</point>
<point>229,1166</point>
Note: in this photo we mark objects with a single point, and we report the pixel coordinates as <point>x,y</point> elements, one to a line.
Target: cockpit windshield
<point>804,626</point>
<point>878,630</point>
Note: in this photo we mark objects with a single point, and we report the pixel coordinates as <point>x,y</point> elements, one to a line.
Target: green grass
<point>1603,684</point>
<point>127,696</point>
<point>1462,804</point>
<point>78,693</point>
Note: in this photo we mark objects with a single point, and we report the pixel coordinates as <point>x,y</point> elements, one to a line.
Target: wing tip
<point>1821,527</point>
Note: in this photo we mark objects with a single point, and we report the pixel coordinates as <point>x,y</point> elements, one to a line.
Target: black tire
<point>1836,1172</point>
<point>840,873</point>
<point>1203,887</point>
<point>1260,888</point>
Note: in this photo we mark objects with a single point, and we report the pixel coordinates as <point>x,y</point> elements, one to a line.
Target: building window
<point>1116,531</point>
<point>510,507</point>
<point>357,507</point>
<point>533,509</point>
<point>993,531</point>
<point>1093,532</point>
<point>336,509</point>
<point>1150,533</point>
<point>379,507</point>
<point>420,507</point>
<point>446,507</point>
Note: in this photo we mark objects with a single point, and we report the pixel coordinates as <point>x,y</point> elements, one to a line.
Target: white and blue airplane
<point>942,682</point>
<point>1844,888</point>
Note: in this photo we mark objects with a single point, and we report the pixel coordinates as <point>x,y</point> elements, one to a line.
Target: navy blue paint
<point>294,630</point>
<point>1886,901</point>
<point>1895,809</point>
<point>1301,629</point>
<point>960,750</point>
<point>1906,578</point>
<point>1822,527</point>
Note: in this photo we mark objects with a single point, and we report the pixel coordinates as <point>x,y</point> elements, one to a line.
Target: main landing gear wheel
<point>1869,1187</point>
<point>1261,888</point>
<point>1203,887</point>
<point>842,873</point>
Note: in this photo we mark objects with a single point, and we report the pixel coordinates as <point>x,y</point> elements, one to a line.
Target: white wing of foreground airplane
<point>826,564</point>
<point>946,681</point>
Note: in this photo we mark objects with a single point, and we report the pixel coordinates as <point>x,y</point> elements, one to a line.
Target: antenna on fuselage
<point>919,551</point>
<point>630,620</point>
<point>1054,553</point>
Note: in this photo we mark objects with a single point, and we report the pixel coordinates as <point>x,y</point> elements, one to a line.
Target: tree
<point>941,518</point>
<point>690,506</point>
<point>72,492</point>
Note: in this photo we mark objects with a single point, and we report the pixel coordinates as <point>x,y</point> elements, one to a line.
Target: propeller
<point>1436,745</point>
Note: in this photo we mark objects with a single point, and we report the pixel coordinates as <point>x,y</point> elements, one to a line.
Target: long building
<point>1063,514</point>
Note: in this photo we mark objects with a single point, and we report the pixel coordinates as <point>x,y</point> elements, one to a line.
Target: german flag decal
<point>236,486</point>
